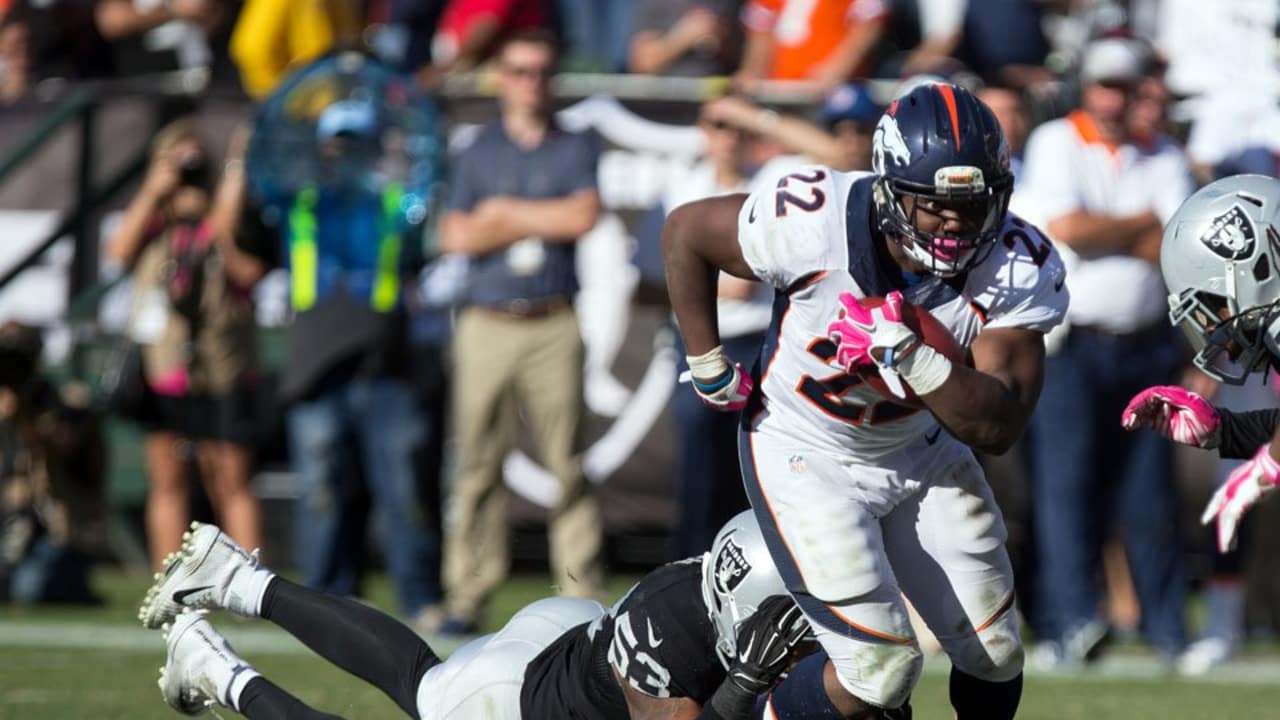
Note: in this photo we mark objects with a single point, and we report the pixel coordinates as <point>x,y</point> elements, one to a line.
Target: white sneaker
<point>1204,655</point>
<point>1082,644</point>
<point>199,575</point>
<point>200,666</point>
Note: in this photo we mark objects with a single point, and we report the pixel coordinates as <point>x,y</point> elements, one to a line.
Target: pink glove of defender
<point>1178,414</point>
<point>1242,490</point>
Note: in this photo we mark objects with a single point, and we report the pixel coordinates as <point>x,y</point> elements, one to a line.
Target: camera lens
<point>195,172</point>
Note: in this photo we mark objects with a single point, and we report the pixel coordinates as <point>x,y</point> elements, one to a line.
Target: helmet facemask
<point>1229,344</point>
<point>727,617</point>
<point>737,575</point>
<point>961,188</point>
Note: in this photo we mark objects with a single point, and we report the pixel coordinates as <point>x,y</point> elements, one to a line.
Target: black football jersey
<point>658,638</point>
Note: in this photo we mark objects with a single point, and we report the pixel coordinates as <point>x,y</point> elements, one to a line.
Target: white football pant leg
<point>828,547</point>
<point>946,545</point>
<point>482,680</point>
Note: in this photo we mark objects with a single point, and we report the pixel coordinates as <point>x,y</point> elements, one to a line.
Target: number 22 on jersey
<point>826,393</point>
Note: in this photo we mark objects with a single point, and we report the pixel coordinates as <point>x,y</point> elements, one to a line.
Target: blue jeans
<point>1089,477</point>
<point>708,479</point>
<point>379,417</point>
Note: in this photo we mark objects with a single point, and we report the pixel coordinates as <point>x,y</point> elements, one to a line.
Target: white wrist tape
<point>709,365</point>
<point>925,369</point>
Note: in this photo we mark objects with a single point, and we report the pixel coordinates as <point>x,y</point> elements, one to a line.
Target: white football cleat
<point>199,576</point>
<point>1205,654</point>
<point>200,666</point>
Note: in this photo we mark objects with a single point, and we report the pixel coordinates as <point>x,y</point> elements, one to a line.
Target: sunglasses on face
<point>528,72</point>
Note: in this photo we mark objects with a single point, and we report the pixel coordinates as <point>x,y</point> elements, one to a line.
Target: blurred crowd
<point>1114,112</point>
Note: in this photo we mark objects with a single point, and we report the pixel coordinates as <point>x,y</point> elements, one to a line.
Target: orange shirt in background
<point>807,32</point>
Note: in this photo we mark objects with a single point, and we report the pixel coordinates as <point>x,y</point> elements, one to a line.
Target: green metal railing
<point>81,106</point>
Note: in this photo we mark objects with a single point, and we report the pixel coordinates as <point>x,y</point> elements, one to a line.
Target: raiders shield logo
<point>1230,235</point>
<point>731,567</point>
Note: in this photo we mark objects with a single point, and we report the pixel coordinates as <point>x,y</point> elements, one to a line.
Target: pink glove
<point>1178,414</point>
<point>728,394</point>
<point>1242,490</point>
<point>859,332</point>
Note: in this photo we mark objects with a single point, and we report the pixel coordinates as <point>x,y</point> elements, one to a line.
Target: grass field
<point>69,663</point>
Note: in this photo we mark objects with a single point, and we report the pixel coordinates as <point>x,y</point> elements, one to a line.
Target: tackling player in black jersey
<point>1220,257</point>
<point>696,639</point>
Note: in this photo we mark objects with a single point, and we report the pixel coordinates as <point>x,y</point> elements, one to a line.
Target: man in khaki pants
<point>520,197</point>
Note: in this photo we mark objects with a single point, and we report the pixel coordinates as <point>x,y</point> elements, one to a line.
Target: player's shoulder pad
<point>1022,283</point>
<point>793,223</point>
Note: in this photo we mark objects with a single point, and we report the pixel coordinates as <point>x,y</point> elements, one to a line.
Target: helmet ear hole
<point>1262,268</point>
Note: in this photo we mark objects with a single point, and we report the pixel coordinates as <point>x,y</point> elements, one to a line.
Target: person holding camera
<point>192,315</point>
<point>53,523</point>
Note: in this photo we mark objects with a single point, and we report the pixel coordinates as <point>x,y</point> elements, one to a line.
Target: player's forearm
<point>698,239</point>
<point>1088,233</point>
<point>691,284</point>
<point>979,410</point>
<point>729,702</point>
<point>1241,433</point>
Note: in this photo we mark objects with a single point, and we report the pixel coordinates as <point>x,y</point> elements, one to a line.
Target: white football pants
<point>851,538</point>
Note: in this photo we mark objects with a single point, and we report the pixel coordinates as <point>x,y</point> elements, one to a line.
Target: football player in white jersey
<point>862,499</point>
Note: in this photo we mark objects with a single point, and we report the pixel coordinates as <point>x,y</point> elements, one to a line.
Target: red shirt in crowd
<point>461,15</point>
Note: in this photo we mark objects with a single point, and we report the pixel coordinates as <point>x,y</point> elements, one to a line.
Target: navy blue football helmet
<point>942,147</point>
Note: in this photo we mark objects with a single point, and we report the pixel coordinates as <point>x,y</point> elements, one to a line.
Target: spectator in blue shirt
<point>521,195</point>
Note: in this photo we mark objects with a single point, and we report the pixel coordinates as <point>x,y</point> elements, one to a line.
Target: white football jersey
<point>808,233</point>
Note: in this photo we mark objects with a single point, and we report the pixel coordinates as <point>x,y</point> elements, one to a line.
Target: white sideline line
<point>1122,667</point>
<point>70,635</point>
<point>248,639</point>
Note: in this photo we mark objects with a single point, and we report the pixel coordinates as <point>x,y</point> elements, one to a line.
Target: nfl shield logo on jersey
<point>1230,235</point>
<point>731,567</point>
<point>797,464</point>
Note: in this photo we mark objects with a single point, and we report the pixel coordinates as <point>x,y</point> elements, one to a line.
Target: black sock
<point>973,698</point>
<point>357,638</point>
<point>262,699</point>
